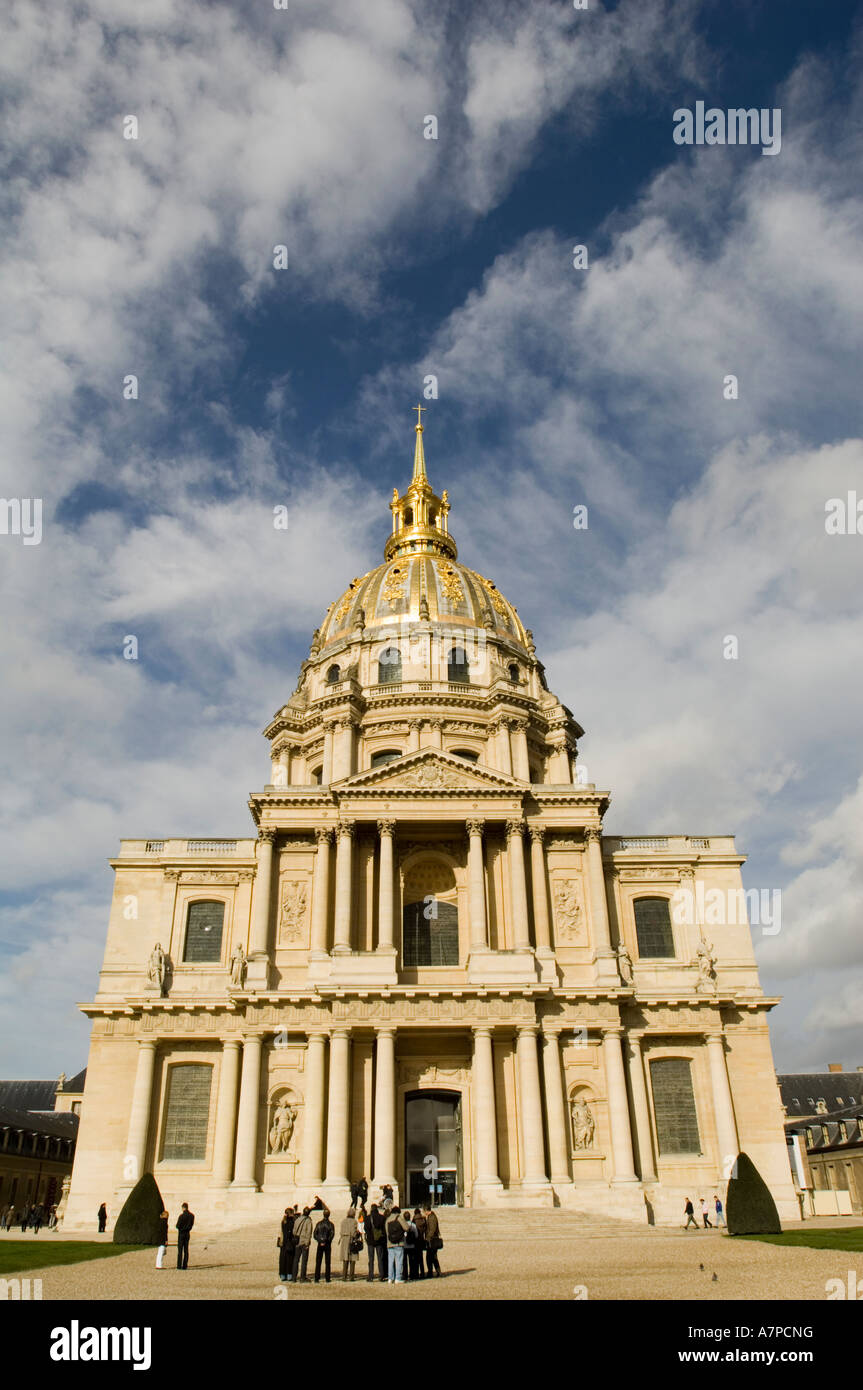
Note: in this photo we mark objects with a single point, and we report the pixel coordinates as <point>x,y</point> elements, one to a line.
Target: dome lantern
<point>420,517</point>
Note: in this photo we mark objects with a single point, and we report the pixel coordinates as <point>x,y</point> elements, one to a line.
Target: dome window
<point>334,675</point>
<point>386,755</point>
<point>389,666</point>
<point>466,753</point>
<point>514,673</point>
<point>457,667</point>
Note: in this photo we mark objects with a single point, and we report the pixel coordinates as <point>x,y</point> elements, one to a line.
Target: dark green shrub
<point>749,1208</point>
<point>138,1222</point>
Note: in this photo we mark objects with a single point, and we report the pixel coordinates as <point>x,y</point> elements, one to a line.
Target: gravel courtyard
<point>486,1255</point>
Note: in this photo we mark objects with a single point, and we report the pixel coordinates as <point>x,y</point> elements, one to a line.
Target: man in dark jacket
<point>323,1236</point>
<point>376,1242</point>
<point>286,1249</point>
<point>185,1222</point>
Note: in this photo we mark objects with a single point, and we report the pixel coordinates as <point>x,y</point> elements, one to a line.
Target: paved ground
<point>486,1255</point>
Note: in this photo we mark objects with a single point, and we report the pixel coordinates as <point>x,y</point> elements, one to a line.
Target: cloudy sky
<point>558,386</point>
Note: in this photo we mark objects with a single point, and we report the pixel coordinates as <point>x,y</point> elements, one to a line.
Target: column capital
<point>551,1031</point>
<point>614,1031</point>
<point>346,721</point>
<point>150,1043</point>
<point>527,1029</point>
<point>230,1042</point>
<point>266,837</point>
<point>415,723</point>
<point>347,827</point>
<point>537,834</point>
<point>715,1035</point>
<point>386,827</point>
<point>324,835</point>
<point>317,1035</point>
<point>592,835</point>
<point>340,1032</point>
<point>514,827</point>
<point>435,724</point>
<point>482,1030</point>
<point>518,726</point>
<point>635,1036</point>
<point>474,826</point>
<point>385,1031</point>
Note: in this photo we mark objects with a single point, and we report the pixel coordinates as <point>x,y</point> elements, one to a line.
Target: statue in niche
<point>705,960</point>
<point>282,1127</point>
<point>238,967</point>
<point>157,968</point>
<point>624,965</point>
<point>583,1124</point>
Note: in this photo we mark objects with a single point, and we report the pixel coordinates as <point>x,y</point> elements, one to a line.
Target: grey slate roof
<point>842,1092</point>
<point>60,1126</point>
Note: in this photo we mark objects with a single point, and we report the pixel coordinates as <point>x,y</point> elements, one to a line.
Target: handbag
<point>279,1242</point>
<point>435,1243</point>
<point>356,1244</point>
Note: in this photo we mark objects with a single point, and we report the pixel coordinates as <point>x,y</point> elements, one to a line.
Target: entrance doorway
<point>433,1148</point>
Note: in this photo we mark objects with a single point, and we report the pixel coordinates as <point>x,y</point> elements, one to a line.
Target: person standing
<point>286,1246</point>
<point>363,1191</point>
<point>302,1234</point>
<point>25,1217</point>
<point>185,1222</point>
<point>396,1227</point>
<point>705,1214</point>
<point>373,1231</point>
<point>323,1236</point>
<point>102,1216</point>
<point>717,1203</point>
<point>349,1248</point>
<point>163,1240</point>
<point>421,1246</point>
<point>434,1242</point>
<point>412,1237</point>
<point>10,1217</point>
<point>37,1216</point>
<point>689,1210</point>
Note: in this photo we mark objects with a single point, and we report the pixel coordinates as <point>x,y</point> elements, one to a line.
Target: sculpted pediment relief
<point>431,769</point>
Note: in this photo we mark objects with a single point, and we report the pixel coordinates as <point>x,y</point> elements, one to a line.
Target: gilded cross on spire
<point>419,410</point>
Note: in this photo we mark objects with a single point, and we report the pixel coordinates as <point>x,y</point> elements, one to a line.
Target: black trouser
<point>415,1262</point>
<point>324,1252</point>
<point>286,1260</point>
<point>432,1265</point>
<point>182,1249</point>
<point>301,1261</point>
<point>370,1246</point>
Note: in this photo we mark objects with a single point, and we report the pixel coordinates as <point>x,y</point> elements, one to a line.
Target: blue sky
<point>409,256</point>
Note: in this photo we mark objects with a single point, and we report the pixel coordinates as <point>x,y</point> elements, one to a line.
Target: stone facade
<point>430,911</point>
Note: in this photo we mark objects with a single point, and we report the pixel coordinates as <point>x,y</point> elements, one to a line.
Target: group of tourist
<point>400,1245</point>
<point>31,1217</point>
<point>689,1212</point>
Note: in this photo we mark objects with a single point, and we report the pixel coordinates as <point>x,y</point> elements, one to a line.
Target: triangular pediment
<point>432,769</point>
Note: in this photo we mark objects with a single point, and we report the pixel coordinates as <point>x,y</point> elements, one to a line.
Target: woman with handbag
<point>285,1242</point>
<point>350,1244</point>
<point>433,1242</point>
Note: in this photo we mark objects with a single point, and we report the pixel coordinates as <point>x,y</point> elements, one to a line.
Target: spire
<point>420,517</point>
<point>420,475</point>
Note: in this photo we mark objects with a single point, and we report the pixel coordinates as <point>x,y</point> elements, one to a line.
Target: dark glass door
<point>433,1148</point>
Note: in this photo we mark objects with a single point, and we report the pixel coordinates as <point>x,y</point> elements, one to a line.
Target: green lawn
<point>17,1256</point>
<point>834,1238</point>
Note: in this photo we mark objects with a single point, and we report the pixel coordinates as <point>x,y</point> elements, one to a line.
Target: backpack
<point>396,1232</point>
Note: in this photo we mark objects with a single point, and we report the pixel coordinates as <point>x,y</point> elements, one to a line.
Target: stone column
<point>344,888</point>
<point>555,1108</point>
<point>385,1108</point>
<point>321,893</point>
<point>605,957</point>
<point>540,891</point>
<point>280,772</point>
<point>476,886</point>
<point>485,1110</point>
<point>618,1106</point>
<point>139,1115</point>
<point>559,770</point>
<point>723,1105</point>
<point>226,1114</point>
<point>437,733</point>
<point>313,1131</point>
<point>518,885</point>
<point>327,771</point>
<point>530,1105</point>
<point>343,749</point>
<point>247,1117</point>
<point>520,761</point>
<point>504,749</point>
<point>261,892</point>
<point>414,734</point>
<point>338,1111</point>
<point>640,1105</point>
<point>386,919</point>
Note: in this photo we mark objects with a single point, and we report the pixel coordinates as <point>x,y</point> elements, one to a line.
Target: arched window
<point>317,775</point>
<point>204,923</point>
<point>386,755</point>
<point>187,1111</point>
<point>333,675</point>
<point>514,672</point>
<point>457,668</point>
<point>409,517</point>
<point>389,666</point>
<point>674,1106</point>
<point>466,753</point>
<point>430,916</point>
<point>653,928</point>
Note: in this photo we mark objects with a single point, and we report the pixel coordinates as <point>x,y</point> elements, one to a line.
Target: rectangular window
<point>653,928</point>
<point>204,932</point>
<point>674,1106</point>
<point>430,934</point>
<point>187,1111</point>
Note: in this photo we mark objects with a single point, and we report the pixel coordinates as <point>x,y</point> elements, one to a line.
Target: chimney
<point>834,1066</point>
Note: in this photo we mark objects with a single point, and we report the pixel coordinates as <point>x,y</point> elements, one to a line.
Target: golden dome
<point>421,579</point>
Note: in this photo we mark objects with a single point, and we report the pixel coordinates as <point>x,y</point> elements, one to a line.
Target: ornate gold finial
<point>419,474</point>
<point>419,410</point>
<point>420,517</point>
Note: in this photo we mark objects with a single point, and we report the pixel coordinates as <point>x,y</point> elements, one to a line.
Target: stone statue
<point>705,959</point>
<point>282,1127</point>
<point>583,1124</point>
<point>238,967</point>
<point>157,968</point>
<point>61,1081</point>
<point>424,609</point>
<point>624,965</point>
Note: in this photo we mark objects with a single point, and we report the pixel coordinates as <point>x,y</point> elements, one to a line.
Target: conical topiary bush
<point>138,1222</point>
<point>749,1207</point>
